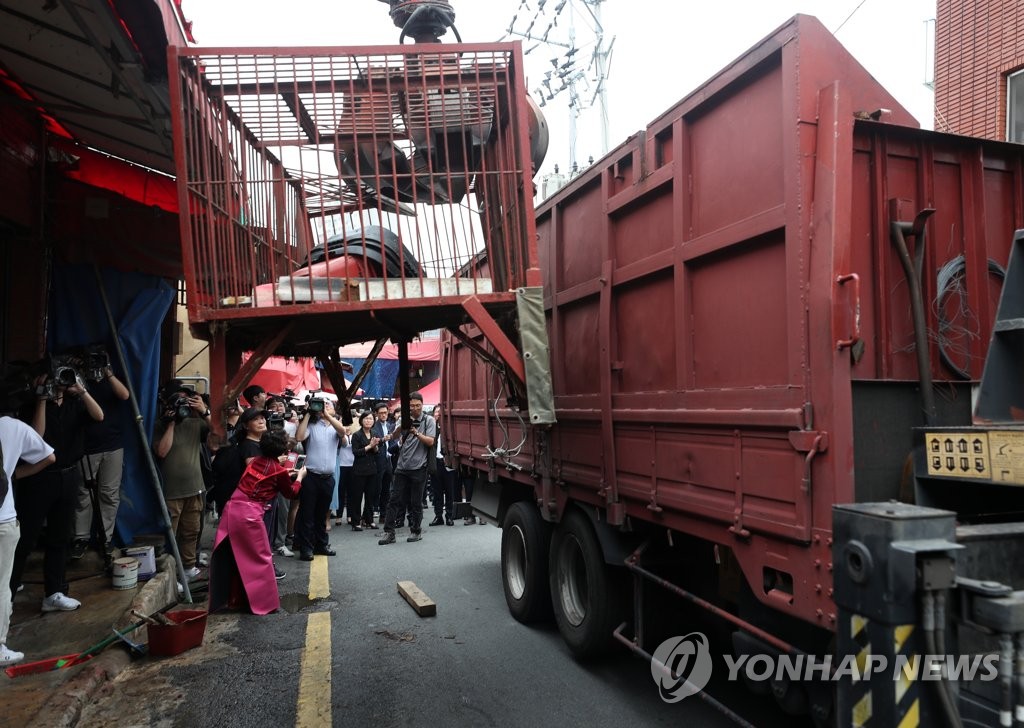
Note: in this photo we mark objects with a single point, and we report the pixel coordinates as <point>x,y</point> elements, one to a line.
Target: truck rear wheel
<point>525,540</point>
<point>587,607</point>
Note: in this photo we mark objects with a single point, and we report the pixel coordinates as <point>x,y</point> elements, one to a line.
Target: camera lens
<point>65,376</point>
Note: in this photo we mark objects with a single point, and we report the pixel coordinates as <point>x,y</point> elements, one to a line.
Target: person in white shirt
<point>22,452</point>
<point>321,439</point>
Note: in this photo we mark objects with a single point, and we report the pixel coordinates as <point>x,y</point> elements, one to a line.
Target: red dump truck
<point>772,389</point>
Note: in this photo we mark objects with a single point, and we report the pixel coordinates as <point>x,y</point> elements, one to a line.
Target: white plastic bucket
<point>126,573</point>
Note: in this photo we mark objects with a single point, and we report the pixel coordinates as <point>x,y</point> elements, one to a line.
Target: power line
<point>834,32</point>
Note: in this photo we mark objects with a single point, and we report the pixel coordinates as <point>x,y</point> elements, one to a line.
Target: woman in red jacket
<point>241,567</point>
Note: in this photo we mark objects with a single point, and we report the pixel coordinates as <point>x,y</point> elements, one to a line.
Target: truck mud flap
<point>487,499</point>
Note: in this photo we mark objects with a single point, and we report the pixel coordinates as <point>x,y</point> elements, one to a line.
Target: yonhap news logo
<point>682,667</point>
<point>688,662</point>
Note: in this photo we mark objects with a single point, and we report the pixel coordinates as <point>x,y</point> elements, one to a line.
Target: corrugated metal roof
<point>97,67</point>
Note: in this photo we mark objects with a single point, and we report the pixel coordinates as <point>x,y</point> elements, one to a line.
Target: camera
<point>275,421</point>
<point>96,361</point>
<point>314,402</point>
<point>178,408</point>
<point>47,390</point>
<point>182,408</point>
<point>64,376</point>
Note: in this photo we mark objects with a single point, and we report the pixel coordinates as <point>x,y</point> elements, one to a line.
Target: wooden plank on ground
<point>424,605</point>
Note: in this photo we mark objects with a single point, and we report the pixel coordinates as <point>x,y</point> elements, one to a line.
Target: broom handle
<point>98,647</point>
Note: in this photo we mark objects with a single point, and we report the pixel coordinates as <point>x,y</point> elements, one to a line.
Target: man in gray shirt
<point>414,447</point>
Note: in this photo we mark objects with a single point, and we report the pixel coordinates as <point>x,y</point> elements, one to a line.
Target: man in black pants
<point>414,447</point>
<point>321,438</point>
<point>383,429</point>
<point>51,495</point>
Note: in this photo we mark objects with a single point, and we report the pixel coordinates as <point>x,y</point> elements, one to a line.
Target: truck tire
<point>525,540</point>
<point>587,606</point>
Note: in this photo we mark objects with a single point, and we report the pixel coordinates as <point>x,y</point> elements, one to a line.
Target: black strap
<point>4,484</point>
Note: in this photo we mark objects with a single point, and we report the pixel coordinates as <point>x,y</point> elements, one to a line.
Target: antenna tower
<point>586,85</point>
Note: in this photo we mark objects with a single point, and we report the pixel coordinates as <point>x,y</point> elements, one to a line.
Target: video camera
<point>178,407</point>
<point>62,374</point>
<point>315,403</point>
<point>275,421</point>
<point>95,361</point>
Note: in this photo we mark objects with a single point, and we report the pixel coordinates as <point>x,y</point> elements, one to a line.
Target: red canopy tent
<point>420,350</point>
<point>279,373</point>
<point>431,393</point>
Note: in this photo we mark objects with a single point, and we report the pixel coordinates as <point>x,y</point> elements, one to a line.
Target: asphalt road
<point>471,665</point>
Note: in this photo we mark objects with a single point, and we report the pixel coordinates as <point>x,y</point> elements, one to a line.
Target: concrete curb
<point>64,710</point>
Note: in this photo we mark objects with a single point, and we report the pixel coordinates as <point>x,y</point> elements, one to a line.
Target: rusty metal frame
<point>236,384</point>
<point>507,351</point>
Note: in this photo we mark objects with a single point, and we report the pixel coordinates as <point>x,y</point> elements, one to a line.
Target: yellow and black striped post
<point>877,550</point>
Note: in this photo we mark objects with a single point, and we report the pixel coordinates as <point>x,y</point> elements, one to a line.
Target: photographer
<point>414,447</point>
<point>321,434</point>
<point>278,417</point>
<point>60,414</point>
<point>182,430</point>
<point>104,458</point>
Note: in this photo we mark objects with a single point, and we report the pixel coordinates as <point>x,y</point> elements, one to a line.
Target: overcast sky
<point>663,48</point>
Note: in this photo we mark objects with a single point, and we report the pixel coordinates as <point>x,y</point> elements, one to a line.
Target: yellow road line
<point>318,585</point>
<point>314,704</point>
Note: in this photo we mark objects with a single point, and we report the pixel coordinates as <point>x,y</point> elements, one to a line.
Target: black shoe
<point>449,521</point>
<point>470,520</point>
<point>389,537</point>
<point>78,548</point>
<point>356,527</point>
<point>278,574</point>
<point>305,556</point>
<point>415,536</point>
<point>326,552</point>
<point>438,521</point>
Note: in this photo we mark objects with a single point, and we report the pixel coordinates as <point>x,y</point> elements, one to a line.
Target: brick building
<point>979,68</point>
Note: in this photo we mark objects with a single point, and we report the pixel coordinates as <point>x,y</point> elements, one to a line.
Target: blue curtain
<point>139,303</point>
<point>380,381</point>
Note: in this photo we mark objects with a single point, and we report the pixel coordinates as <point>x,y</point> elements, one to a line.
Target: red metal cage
<point>342,194</point>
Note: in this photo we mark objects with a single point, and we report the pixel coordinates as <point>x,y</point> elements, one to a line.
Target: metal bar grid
<point>352,176</point>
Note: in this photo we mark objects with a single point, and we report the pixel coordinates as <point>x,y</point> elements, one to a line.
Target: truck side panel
<point>714,288</point>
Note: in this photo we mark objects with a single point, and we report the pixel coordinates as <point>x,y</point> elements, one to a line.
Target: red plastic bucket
<point>173,639</point>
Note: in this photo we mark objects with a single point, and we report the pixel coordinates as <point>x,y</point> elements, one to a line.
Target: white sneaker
<point>57,602</point>
<point>193,573</point>
<point>10,657</point>
<point>284,551</point>
<point>203,559</point>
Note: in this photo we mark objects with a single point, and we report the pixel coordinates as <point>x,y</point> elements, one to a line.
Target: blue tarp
<point>380,380</point>
<point>139,304</point>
